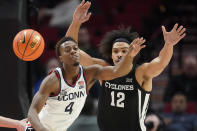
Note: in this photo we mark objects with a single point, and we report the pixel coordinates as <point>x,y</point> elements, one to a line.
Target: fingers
<point>163,29</point>
<point>82,2</point>
<point>137,43</point>
<point>87,17</point>
<point>182,31</point>
<point>87,5</point>
<point>175,27</point>
<point>180,28</point>
<point>140,41</point>
<point>84,5</point>
<point>143,46</point>
<point>182,36</point>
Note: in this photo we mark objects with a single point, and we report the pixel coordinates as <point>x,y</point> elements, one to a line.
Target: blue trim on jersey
<point>72,85</point>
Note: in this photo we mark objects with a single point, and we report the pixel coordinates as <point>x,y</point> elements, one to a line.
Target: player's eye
<point>67,49</point>
<point>75,48</point>
<point>115,51</point>
<point>124,51</point>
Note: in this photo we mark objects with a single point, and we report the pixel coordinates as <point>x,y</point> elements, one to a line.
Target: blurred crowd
<point>177,92</point>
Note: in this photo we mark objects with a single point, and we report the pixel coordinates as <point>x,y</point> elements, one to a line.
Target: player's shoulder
<point>140,70</point>
<point>51,79</point>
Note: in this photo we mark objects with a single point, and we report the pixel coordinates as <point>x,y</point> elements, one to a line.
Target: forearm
<point>73,30</point>
<point>165,55</point>
<point>7,122</point>
<point>124,66</point>
<point>34,120</point>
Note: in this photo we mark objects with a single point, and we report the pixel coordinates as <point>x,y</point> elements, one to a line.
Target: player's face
<point>119,50</point>
<point>69,53</point>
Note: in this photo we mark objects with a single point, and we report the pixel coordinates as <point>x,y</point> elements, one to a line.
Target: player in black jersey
<point>123,102</point>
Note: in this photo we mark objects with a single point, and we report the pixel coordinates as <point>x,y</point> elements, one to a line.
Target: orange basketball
<point>28,45</point>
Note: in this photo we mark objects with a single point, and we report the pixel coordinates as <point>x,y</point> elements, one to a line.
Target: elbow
<point>29,115</point>
<point>162,64</point>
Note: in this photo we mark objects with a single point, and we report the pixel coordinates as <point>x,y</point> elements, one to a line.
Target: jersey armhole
<point>138,85</point>
<point>59,79</point>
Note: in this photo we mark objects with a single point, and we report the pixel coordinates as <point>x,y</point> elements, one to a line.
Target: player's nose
<point>119,55</point>
<point>73,51</point>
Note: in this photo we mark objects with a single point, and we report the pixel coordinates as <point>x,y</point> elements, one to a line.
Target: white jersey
<point>62,109</point>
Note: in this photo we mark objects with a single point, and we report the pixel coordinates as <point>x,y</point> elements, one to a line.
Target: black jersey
<point>122,104</point>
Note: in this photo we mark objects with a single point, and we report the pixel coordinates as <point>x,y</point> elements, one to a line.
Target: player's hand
<point>175,35</point>
<point>81,14</point>
<point>136,46</point>
<point>21,125</point>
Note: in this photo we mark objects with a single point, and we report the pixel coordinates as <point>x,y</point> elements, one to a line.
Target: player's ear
<point>60,58</point>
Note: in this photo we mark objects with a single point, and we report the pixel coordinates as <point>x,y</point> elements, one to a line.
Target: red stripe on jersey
<point>85,81</point>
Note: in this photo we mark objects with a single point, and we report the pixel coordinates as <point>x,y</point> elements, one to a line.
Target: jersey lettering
<point>71,96</point>
<point>119,87</point>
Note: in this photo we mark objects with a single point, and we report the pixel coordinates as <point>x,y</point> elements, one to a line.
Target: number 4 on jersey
<point>69,108</point>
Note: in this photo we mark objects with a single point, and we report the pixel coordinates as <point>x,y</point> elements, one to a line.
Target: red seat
<point>97,21</point>
<point>138,8</point>
<point>47,54</point>
<point>191,107</point>
<point>131,19</point>
<point>50,34</point>
<point>108,6</point>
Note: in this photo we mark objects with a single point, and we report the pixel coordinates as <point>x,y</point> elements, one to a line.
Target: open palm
<point>136,46</point>
<point>81,12</point>
<point>175,35</point>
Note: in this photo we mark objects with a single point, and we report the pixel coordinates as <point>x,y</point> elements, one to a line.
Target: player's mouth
<point>75,57</point>
<point>118,60</point>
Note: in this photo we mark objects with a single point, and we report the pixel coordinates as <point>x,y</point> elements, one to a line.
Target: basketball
<point>28,45</point>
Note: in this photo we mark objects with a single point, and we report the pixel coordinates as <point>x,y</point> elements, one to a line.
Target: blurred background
<point>175,90</point>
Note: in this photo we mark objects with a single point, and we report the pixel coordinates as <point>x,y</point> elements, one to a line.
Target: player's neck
<point>70,72</point>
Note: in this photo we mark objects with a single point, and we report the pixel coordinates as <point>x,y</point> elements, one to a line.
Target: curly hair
<point>60,42</point>
<point>109,39</point>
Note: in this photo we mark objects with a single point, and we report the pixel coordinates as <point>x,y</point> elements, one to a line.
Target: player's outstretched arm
<point>11,123</point>
<point>157,65</point>
<point>123,67</point>
<point>80,16</point>
<point>46,88</point>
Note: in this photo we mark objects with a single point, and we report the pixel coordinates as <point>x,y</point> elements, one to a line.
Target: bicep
<point>152,69</point>
<point>39,101</point>
<point>87,60</point>
<point>47,87</point>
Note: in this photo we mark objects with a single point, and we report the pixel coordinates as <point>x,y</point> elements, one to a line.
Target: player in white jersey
<point>62,94</point>
<point>70,100</point>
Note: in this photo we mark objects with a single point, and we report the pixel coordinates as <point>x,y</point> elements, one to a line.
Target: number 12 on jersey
<point>119,97</point>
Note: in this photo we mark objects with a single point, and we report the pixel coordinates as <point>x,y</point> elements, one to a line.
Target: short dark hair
<point>109,39</point>
<point>179,94</point>
<point>60,42</point>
